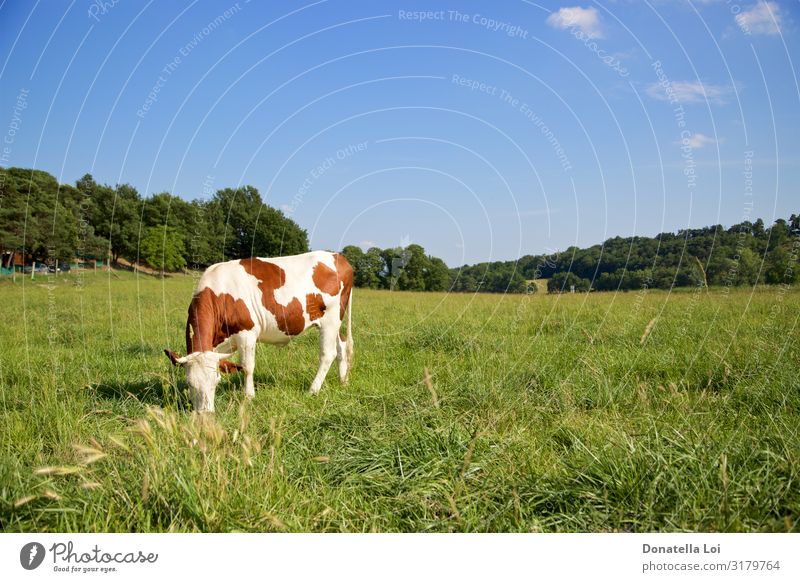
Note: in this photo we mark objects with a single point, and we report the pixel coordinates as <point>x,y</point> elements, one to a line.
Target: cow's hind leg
<point>344,345</point>
<point>247,352</point>
<point>341,357</point>
<point>328,338</point>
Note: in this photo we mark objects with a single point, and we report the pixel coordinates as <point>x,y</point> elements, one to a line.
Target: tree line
<point>54,223</point>
<point>747,253</point>
<point>401,268</point>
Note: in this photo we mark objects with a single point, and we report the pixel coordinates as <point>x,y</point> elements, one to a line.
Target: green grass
<point>544,413</point>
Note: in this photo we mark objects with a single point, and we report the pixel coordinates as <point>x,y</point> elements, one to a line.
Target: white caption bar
<point>354,557</point>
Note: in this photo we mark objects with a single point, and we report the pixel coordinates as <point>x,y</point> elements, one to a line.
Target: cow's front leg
<point>328,336</point>
<point>247,352</point>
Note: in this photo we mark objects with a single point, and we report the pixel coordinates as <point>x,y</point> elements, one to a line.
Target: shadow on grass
<point>159,392</point>
<point>149,392</point>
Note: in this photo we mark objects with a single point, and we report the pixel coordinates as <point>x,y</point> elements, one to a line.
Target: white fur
<point>202,374</point>
<point>202,368</point>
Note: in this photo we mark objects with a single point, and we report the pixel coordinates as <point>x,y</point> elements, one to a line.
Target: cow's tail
<point>348,345</point>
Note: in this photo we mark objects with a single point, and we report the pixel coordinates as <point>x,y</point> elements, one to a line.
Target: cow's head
<point>202,374</point>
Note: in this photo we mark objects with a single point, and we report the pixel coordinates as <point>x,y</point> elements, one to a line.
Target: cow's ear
<point>174,358</point>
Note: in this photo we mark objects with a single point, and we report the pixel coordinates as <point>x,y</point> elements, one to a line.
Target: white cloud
<point>367,244</point>
<point>585,19</point>
<point>690,92</point>
<point>697,140</point>
<point>763,18</point>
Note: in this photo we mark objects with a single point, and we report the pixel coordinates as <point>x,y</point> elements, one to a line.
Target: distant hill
<point>744,254</point>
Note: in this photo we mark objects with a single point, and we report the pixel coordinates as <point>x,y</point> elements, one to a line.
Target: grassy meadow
<point>640,411</point>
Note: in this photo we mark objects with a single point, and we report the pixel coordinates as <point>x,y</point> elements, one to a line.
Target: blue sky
<point>481,130</point>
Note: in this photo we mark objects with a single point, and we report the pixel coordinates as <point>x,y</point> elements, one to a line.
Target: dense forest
<point>53,223</point>
<point>744,254</point>
<point>50,223</point>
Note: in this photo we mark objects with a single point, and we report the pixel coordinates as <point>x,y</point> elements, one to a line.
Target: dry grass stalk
<point>647,330</point>
<point>426,378</point>
<point>57,470</point>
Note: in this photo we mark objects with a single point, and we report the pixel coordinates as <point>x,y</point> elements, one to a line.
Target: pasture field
<point>643,411</point>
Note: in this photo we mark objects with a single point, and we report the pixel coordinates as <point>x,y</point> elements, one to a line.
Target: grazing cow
<point>239,303</point>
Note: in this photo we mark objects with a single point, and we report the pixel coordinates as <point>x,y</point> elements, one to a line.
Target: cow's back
<point>283,295</point>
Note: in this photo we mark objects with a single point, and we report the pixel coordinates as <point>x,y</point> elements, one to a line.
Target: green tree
<point>241,226</point>
<point>794,224</point>
<point>778,234</point>
<point>12,212</point>
<point>562,282</point>
<point>393,261</point>
<point>162,248</point>
<point>412,273</point>
<point>782,266</point>
<point>371,269</point>
<point>37,215</point>
<point>114,214</point>
<point>354,255</point>
<point>437,277</point>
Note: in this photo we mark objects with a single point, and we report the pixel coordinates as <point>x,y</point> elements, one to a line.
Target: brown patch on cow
<point>326,279</point>
<point>271,277</point>
<point>315,306</point>
<point>227,367</point>
<point>344,273</point>
<point>213,319</point>
<point>291,320</point>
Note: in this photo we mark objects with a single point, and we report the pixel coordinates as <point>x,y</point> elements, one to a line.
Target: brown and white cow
<point>239,303</point>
